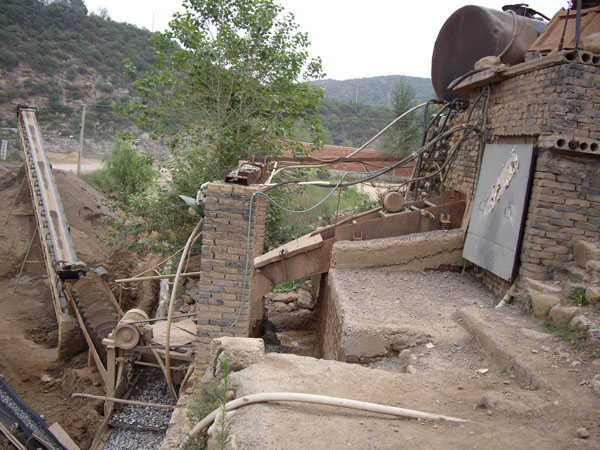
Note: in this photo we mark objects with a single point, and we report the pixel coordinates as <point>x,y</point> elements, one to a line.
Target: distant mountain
<point>375,91</point>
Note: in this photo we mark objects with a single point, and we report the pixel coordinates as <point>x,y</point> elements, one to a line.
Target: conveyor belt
<point>59,256</point>
<point>22,426</point>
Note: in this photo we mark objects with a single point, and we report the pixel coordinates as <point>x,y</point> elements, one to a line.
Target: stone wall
<point>559,104</point>
<point>330,327</point>
<point>225,247</point>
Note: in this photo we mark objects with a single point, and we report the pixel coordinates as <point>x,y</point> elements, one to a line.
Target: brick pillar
<point>224,249</point>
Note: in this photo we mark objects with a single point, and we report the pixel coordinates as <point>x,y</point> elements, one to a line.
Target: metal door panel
<point>500,203</point>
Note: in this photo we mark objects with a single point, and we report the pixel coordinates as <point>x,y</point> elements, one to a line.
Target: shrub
<point>128,172</point>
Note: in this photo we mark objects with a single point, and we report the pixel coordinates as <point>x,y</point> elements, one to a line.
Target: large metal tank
<point>474,32</point>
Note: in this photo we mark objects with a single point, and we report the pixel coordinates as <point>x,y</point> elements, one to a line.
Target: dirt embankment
<point>28,329</point>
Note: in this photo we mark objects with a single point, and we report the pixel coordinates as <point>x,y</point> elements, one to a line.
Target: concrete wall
<point>345,338</point>
<point>542,105</point>
<point>223,267</point>
<point>418,251</point>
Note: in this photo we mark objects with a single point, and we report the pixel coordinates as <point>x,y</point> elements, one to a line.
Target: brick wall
<point>564,206</point>
<point>224,248</point>
<point>335,151</point>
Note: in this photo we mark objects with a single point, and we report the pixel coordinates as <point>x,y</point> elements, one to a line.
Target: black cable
<point>465,76</point>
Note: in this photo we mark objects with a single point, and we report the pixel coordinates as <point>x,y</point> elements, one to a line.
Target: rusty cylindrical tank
<point>472,33</point>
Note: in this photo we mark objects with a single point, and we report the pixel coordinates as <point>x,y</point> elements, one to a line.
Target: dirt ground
<point>68,162</point>
<point>28,329</point>
<point>541,397</point>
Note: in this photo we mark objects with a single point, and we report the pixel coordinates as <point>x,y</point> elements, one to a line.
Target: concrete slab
<point>378,312</point>
<point>524,421</point>
<point>417,251</point>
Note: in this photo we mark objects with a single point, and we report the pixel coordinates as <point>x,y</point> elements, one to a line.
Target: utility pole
<point>356,95</point>
<point>81,140</point>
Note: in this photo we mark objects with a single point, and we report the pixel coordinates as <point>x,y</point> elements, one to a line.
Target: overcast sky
<point>355,38</point>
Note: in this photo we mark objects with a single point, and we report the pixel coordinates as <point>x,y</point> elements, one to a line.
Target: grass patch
<point>573,335</point>
<point>547,325</point>
<point>579,297</point>
<point>288,286</point>
<point>294,225</point>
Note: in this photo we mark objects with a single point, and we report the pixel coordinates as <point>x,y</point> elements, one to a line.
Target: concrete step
<point>542,287</point>
<point>509,346</point>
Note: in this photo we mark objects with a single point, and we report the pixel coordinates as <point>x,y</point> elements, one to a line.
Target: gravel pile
<point>28,420</point>
<point>131,425</point>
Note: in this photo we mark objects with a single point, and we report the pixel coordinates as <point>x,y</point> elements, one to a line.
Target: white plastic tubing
<point>172,307</point>
<point>315,399</point>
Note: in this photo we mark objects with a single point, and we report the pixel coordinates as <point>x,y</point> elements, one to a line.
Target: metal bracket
<point>356,237</point>
<point>445,220</point>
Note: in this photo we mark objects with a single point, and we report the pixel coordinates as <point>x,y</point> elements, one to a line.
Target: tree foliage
<point>404,137</point>
<point>235,87</point>
<point>230,82</point>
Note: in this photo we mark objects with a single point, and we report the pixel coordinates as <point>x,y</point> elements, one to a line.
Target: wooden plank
<point>61,435</point>
<point>550,39</point>
<point>300,245</point>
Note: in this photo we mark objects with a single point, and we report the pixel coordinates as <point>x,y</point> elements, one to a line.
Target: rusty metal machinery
<point>474,32</point>
<point>393,201</point>
<point>311,254</point>
<point>97,311</point>
<point>128,332</point>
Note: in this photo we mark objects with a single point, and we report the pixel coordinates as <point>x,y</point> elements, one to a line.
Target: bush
<point>128,171</point>
<point>14,155</point>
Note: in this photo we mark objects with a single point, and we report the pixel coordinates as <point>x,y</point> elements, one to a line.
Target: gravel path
<point>128,426</point>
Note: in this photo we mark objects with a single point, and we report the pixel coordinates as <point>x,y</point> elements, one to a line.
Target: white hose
<point>172,307</point>
<point>316,399</point>
<point>327,162</point>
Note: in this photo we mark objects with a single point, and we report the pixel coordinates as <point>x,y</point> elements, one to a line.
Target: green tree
<point>230,82</point>
<point>404,137</point>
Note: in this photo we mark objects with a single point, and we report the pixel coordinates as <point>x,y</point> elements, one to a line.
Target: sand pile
<point>84,210</point>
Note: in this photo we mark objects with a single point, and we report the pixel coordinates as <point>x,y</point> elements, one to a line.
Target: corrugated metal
<point>498,212</point>
<point>549,40</point>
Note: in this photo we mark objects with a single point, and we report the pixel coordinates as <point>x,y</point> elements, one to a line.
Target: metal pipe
<point>126,402</point>
<point>172,307</point>
<point>362,147</point>
<point>157,277</point>
<point>578,24</point>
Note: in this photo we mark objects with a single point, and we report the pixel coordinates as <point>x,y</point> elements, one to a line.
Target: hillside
<point>375,91</point>
<point>352,124</point>
<point>57,56</point>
